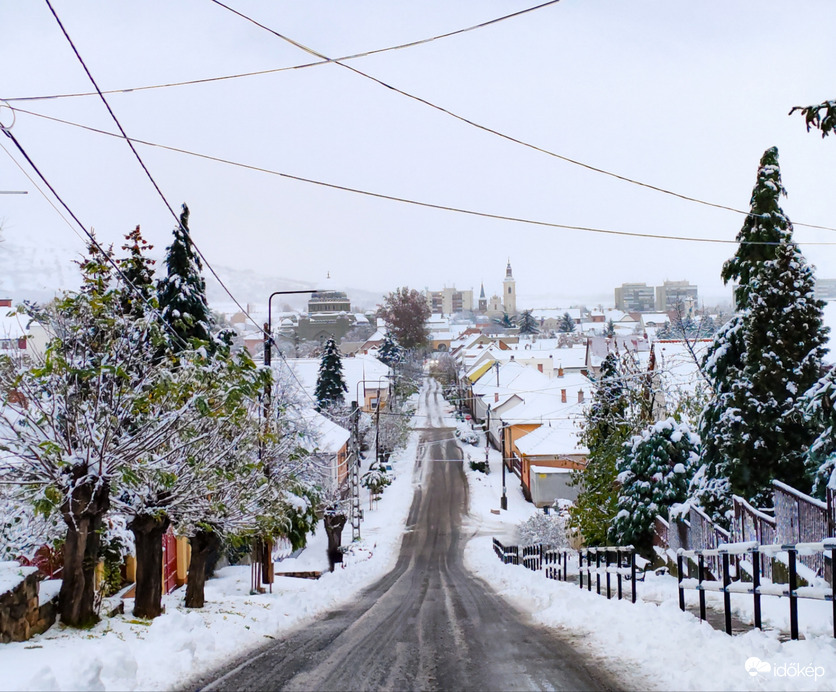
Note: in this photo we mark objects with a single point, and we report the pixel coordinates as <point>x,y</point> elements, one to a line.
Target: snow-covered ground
<point>650,644</point>
<point>123,653</point>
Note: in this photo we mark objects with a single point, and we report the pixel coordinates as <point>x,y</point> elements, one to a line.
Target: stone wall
<point>21,615</point>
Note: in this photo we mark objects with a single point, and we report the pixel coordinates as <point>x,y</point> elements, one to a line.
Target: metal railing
<point>791,590</point>
<point>617,560</point>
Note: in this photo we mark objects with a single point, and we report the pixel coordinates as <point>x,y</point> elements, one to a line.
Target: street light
<point>503,501</point>
<point>268,328</point>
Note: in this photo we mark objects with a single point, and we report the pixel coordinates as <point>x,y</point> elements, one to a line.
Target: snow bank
<point>124,653</point>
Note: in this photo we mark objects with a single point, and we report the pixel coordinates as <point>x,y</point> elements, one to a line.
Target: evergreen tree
<point>138,270</point>
<point>566,324</point>
<point>654,471</point>
<point>330,384</point>
<point>528,323</point>
<point>821,458</point>
<point>754,429</point>
<point>765,228</point>
<point>182,293</point>
<point>389,353</point>
<point>610,330</point>
<point>505,321</point>
<point>605,430</point>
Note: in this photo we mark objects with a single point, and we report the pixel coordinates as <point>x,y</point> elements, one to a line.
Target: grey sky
<point>684,96</point>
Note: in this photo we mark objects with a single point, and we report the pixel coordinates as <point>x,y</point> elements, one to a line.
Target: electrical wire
<point>489,130</point>
<point>405,200</point>
<point>147,172</point>
<point>354,56</point>
<point>153,310</point>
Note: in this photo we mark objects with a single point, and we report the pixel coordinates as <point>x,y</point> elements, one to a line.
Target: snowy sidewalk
<point>650,644</point>
<point>123,653</point>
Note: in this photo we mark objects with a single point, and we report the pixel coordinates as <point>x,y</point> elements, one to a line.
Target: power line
<point>405,200</point>
<point>145,168</point>
<point>89,235</point>
<point>490,130</point>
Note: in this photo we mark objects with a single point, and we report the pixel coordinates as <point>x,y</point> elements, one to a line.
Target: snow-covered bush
<point>654,472</point>
<point>546,529</point>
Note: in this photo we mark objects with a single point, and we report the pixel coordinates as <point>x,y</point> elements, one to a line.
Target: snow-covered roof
<point>327,436</point>
<point>655,318</point>
<point>561,437</point>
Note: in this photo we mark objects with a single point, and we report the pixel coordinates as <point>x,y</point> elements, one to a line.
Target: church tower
<point>509,291</point>
<point>483,302</point>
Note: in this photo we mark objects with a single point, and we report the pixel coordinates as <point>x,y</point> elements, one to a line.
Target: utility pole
<point>355,471</point>
<point>503,501</point>
<point>488,439</point>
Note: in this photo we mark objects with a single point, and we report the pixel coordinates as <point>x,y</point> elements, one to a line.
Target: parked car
<point>470,437</point>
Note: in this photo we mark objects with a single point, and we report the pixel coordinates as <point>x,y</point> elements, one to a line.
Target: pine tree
<point>528,323</point>
<point>654,471</point>
<point>606,428</point>
<point>610,330</point>
<point>566,324</point>
<point>765,227</point>
<point>182,293</point>
<point>762,362</point>
<point>138,271</point>
<point>330,384</point>
<point>389,353</point>
<point>821,458</point>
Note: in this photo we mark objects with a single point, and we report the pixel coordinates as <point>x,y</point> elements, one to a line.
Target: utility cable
<point>354,56</point>
<point>490,130</point>
<point>91,237</point>
<point>405,200</point>
<point>147,172</point>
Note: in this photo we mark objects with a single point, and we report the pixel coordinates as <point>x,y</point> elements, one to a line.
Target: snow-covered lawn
<point>652,644</point>
<point>123,653</point>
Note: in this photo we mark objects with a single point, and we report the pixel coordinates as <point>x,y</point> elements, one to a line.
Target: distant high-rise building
<point>635,298</point>
<point>673,293</point>
<point>449,301</point>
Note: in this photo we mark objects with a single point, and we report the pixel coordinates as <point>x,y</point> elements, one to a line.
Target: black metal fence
<point>687,560</point>
<point>615,563</point>
<point>609,561</point>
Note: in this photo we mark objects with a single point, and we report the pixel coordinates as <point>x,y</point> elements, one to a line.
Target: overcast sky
<point>680,95</point>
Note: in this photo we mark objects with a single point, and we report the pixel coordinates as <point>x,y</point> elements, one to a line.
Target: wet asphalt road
<point>428,624</point>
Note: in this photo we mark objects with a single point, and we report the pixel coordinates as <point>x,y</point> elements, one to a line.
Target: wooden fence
<point>753,525</point>
<point>800,518</point>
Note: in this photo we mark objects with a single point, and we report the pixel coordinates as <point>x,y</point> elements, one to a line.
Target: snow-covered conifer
<point>182,292</point>
<point>330,383</point>
<point>654,471</point>
<point>528,323</point>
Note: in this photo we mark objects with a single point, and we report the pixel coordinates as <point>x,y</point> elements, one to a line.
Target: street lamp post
<point>268,328</point>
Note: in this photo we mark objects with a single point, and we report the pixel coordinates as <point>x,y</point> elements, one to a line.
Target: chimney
<point>580,396</point>
<point>5,302</point>
<point>560,371</point>
<point>512,356</point>
<point>540,367</point>
<point>495,397</point>
<point>563,396</point>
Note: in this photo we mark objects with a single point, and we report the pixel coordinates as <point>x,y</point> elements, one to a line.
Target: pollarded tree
<point>182,292</point>
<point>330,383</point>
<point>566,323</point>
<point>406,313</point>
<point>72,419</point>
<point>654,472</point>
<point>528,323</point>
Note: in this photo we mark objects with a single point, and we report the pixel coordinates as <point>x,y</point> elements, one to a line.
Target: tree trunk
<point>334,524</point>
<point>82,511</point>
<point>203,543</point>
<point>148,535</point>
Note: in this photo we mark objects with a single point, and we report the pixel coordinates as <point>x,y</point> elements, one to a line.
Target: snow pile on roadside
<point>123,653</point>
<point>657,646</point>
<point>646,645</point>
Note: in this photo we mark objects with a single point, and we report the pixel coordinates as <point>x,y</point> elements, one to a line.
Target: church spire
<point>508,274</point>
